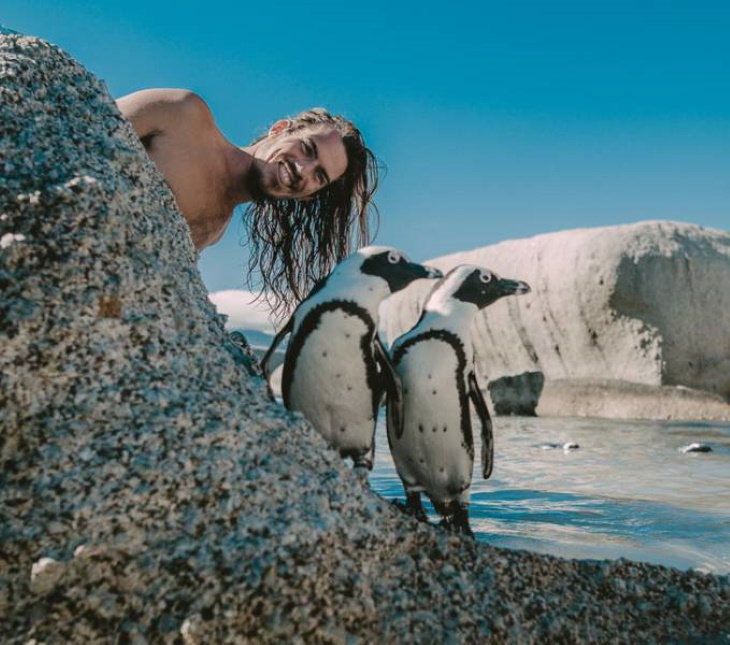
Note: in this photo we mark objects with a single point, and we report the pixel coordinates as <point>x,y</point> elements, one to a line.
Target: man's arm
<point>152,112</point>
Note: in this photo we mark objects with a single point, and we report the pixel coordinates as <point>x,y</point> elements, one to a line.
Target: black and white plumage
<point>335,368</point>
<point>432,444</point>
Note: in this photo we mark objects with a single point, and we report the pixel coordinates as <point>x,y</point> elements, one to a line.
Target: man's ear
<point>282,125</point>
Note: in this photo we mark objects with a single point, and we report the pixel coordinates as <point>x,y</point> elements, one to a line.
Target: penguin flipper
<point>480,405</point>
<point>274,344</point>
<point>393,388</point>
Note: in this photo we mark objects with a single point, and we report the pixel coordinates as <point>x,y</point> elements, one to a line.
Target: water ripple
<point>627,492</point>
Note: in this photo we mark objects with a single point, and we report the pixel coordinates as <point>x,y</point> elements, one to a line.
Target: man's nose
<point>306,167</point>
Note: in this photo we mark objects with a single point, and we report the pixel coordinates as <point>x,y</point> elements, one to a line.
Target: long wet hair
<point>294,243</point>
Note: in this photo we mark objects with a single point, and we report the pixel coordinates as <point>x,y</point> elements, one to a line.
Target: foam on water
<point>627,491</point>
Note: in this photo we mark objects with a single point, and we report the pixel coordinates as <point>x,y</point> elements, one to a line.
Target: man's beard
<point>254,183</point>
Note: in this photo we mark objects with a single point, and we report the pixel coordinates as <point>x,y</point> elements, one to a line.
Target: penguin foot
<point>413,506</point>
<point>449,525</point>
<point>457,521</point>
<point>465,530</point>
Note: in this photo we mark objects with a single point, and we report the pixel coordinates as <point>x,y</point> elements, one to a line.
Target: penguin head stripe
<point>393,266</point>
<point>476,285</point>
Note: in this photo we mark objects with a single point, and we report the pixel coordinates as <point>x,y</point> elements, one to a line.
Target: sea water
<point>628,490</point>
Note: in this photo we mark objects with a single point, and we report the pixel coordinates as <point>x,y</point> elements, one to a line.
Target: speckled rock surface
<point>150,491</point>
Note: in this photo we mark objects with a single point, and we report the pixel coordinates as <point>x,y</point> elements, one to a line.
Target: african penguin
<point>430,436</point>
<point>335,368</point>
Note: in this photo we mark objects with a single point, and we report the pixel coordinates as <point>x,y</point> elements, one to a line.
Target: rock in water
<point>624,400</point>
<point>178,501</point>
<point>696,447</point>
<point>516,395</point>
<point>568,446</point>
<point>645,303</point>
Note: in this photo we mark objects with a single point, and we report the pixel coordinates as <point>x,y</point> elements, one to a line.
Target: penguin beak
<point>407,272</point>
<point>432,272</point>
<point>513,287</point>
<point>423,271</point>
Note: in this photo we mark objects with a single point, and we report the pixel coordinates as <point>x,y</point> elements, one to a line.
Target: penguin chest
<point>330,379</point>
<point>432,454</point>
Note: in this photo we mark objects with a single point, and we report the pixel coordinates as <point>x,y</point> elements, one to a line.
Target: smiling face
<point>295,165</point>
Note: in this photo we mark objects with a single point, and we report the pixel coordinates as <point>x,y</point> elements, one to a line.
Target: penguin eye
<point>485,277</point>
<point>393,257</point>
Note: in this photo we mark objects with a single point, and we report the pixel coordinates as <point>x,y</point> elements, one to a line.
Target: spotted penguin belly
<point>329,383</point>
<point>432,454</point>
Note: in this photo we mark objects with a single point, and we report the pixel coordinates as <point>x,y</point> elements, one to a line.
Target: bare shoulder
<point>155,110</point>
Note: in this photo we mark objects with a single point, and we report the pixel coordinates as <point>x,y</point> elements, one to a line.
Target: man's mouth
<point>286,174</point>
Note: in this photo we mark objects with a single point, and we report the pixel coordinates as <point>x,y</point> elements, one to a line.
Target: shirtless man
<point>307,184</point>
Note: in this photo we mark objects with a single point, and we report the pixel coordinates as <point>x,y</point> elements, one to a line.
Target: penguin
<point>336,370</point>
<point>430,435</point>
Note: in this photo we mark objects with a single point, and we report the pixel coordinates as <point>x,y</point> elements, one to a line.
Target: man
<point>307,184</point>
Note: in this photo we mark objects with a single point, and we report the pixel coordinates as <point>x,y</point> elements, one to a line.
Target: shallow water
<point>627,491</point>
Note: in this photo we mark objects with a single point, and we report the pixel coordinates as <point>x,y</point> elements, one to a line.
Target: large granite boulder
<point>607,398</point>
<point>645,303</point>
<point>151,491</point>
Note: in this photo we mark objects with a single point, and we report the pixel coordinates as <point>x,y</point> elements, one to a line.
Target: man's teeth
<point>288,180</point>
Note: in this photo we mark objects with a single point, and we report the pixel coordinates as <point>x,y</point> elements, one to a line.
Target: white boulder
<point>645,303</point>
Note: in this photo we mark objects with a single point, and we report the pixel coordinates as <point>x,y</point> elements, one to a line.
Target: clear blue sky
<point>495,120</point>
